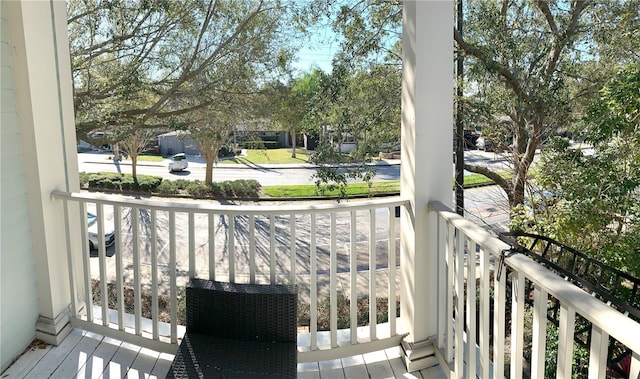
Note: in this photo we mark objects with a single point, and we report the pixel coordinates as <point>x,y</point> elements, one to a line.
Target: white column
<point>42,75</point>
<point>427,155</point>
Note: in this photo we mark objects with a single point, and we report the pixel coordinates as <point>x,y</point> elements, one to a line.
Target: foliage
<point>122,182</point>
<point>236,189</point>
<point>598,205</point>
<point>292,103</point>
<point>134,143</point>
<point>134,63</point>
<point>521,58</point>
<point>343,312</point>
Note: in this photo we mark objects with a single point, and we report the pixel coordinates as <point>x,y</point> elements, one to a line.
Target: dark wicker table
<point>238,331</point>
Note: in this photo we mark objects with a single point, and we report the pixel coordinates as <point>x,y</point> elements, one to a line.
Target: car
<point>178,162</point>
<point>94,241</point>
<point>483,143</point>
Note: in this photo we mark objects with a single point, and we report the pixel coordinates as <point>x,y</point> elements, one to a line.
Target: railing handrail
<point>232,209</point>
<point>226,245</point>
<point>617,325</point>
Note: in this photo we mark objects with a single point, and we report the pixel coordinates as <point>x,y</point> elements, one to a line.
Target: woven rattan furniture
<point>238,331</point>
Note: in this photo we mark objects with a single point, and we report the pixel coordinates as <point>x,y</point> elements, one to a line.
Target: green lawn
<point>355,189</point>
<point>311,190</point>
<point>149,158</point>
<point>269,156</point>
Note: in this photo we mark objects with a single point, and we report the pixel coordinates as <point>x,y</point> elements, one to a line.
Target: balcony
<point>467,309</point>
<point>333,252</point>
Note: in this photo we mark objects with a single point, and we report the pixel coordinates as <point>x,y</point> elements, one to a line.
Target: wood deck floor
<point>88,355</point>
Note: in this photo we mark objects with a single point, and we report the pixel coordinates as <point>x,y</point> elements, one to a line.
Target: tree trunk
<point>208,177</point>
<point>293,142</point>
<point>134,164</point>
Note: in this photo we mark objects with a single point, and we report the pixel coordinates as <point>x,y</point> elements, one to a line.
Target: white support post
<point>427,135</point>
<point>42,75</point>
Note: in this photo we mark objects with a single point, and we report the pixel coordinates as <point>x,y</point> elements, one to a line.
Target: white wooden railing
<point>329,249</point>
<point>470,254</point>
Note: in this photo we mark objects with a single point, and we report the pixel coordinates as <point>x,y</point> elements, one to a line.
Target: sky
<point>319,50</point>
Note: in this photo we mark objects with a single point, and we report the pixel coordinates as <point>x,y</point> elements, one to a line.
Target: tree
<point>135,142</point>
<point>211,131</point>
<point>520,58</point>
<point>134,62</point>
<point>293,103</point>
<point>598,196</point>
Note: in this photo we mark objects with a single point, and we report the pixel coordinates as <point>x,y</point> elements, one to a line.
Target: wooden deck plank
<point>26,362</point>
<point>308,370</point>
<point>377,365</point>
<point>75,363</point>
<point>57,354</point>
<point>397,365</point>
<point>355,367</point>
<point>87,355</point>
<point>101,357</point>
<point>331,369</point>
<point>434,372</point>
<point>121,361</point>
<point>143,364</point>
<point>162,366</point>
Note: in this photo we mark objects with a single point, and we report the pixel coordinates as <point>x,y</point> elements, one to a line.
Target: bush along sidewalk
<point>155,185</point>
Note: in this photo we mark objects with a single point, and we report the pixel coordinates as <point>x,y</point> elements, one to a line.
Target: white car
<point>178,162</point>
<point>109,235</point>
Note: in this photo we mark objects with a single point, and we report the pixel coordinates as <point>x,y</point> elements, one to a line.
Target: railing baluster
<point>272,249</point>
<point>484,331</point>
<point>565,341</point>
<point>372,275</point>
<point>391,249</point>
<point>232,248</point>
<point>104,294</point>
<point>212,245</point>
<point>471,309</point>
<point>154,275</point>
<point>117,227</point>
<point>135,214</point>
<point>333,297</point>
<point>252,249</point>
<point>71,266</point>
<point>598,353</point>
<point>517,323</point>
<point>172,277</point>
<point>192,245</point>
<point>353,269</point>
<point>499,322</point>
<point>539,332</point>
<point>459,312</point>
<point>292,247</point>
<point>313,295</point>
<point>450,281</point>
<point>88,293</point>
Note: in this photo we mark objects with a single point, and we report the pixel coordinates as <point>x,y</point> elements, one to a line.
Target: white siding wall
<point>19,297</point>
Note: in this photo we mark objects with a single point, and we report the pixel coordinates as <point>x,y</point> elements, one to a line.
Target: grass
<point>311,190</point>
<point>150,158</point>
<point>269,156</point>
<point>359,189</point>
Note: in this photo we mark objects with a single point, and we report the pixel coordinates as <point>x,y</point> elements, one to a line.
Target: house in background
<point>177,142</point>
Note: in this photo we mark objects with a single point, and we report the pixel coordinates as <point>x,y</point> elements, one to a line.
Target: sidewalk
<point>198,161</point>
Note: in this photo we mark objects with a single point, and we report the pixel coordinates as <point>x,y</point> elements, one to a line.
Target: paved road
<point>267,175</point>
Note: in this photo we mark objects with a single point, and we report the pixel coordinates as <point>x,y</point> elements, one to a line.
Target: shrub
<point>126,182</point>
<point>84,179</point>
<point>168,187</point>
<point>198,189</point>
